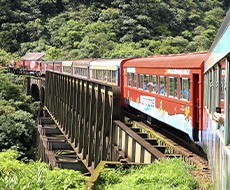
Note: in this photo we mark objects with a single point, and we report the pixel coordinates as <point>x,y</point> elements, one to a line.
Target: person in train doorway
<point>219,118</point>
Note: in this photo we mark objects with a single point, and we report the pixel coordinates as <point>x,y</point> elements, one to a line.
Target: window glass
<point>140,81</point>
<point>163,85</point>
<point>83,72</point>
<point>222,89</point>
<point>210,90</point>
<point>185,88</point>
<point>66,69</point>
<point>146,82</point>
<point>105,75</point>
<point>154,83</point>
<point>75,70</point>
<point>173,90</point>
<point>216,86</point>
<point>101,75</point>
<point>129,79</point>
<point>109,76</point>
<point>97,74</point>
<point>93,74</point>
<point>223,86</point>
<point>135,80</point>
<point>58,68</point>
<point>114,77</point>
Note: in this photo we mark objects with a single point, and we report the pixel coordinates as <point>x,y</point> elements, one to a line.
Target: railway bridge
<point>80,124</point>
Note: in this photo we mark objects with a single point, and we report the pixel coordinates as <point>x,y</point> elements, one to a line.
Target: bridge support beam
<point>84,111</point>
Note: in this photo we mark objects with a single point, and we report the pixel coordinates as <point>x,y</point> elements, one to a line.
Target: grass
<point>15,174</point>
<point>167,174</point>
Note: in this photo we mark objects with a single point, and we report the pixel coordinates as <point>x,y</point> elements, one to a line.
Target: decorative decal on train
<point>178,71</point>
<point>32,64</point>
<point>187,112</point>
<point>148,101</point>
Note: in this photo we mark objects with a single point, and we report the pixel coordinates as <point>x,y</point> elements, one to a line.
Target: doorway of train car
<point>196,111</point>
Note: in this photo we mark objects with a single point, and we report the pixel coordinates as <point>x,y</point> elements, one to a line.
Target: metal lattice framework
<point>84,111</point>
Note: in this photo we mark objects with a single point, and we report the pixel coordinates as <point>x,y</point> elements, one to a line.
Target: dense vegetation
<point>70,29</point>
<point>17,116</point>
<point>16,174</point>
<point>167,174</point>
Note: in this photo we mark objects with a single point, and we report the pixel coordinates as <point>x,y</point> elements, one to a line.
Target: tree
<point>54,54</point>
<point>17,115</point>
<point>18,129</point>
<point>7,58</point>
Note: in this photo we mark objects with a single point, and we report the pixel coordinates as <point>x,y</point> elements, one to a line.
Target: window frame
<point>187,98</point>
<point>140,81</point>
<point>164,84</point>
<point>175,87</point>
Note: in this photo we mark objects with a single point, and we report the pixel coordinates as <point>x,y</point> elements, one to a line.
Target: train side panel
<point>169,94</point>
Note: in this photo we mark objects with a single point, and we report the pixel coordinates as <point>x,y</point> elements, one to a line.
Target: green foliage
<point>9,90</point>
<point>70,29</point>
<point>18,129</point>
<point>167,174</point>
<point>7,58</point>
<point>53,54</point>
<point>17,115</point>
<point>35,175</point>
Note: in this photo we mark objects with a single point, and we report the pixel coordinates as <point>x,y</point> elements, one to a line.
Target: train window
<point>146,82</point>
<point>75,71</point>
<point>205,89</point>
<point>210,90</point>
<point>66,69</point>
<point>163,85</point>
<point>129,79</point>
<point>101,75</point>
<point>135,80</point>
<point>105,75</point>
<point>140,81</point>
<point>58,68</point>
<point>114,77</point>
<point>109,76</point>
<point>185,88</point>
<point>154,83</point>
<point>222,89</point>
<point>97,74</point>
<point>216,86</point>
<point>173,87</point>
<point>86,72</point>
<point>93,74</point>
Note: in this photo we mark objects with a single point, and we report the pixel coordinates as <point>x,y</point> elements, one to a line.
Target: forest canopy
<point>70,29</point>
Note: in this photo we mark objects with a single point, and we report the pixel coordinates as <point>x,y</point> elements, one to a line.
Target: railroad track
<point>163,143</point>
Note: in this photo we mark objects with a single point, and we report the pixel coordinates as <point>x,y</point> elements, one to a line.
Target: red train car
<point>168,88</point>
<point>31,63</point>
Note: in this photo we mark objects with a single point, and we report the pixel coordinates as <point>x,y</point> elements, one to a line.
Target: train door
<point>196,110</point>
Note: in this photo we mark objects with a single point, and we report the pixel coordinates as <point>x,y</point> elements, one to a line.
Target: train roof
<point>33,56</point>
<point>82,63</point>
<point>105,64</point>
<point>190,60</point>
<point>67,63</point>
<point>53,62</point>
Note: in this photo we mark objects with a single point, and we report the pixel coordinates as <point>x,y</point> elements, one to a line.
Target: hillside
<point>70,29</point>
